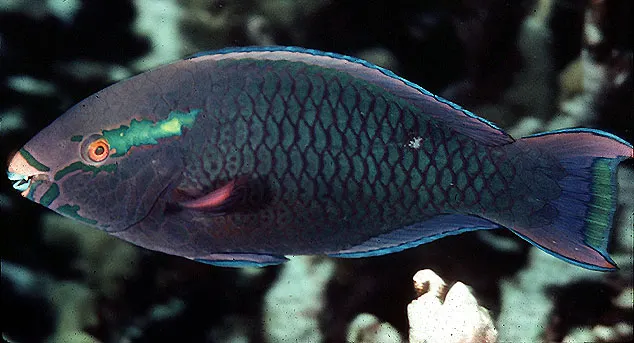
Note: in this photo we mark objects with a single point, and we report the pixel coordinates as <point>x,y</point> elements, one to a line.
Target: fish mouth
<point>22,183</point>
<point>23,175</point>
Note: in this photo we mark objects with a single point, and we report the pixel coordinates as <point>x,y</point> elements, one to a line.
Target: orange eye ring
<point>97,150</point>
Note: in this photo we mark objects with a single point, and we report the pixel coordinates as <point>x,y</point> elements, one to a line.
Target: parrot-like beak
<point>22,173</point>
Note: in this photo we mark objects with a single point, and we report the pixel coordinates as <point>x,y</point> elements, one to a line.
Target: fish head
<point>103,163</point>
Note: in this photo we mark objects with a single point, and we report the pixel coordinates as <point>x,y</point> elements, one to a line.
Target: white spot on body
<point>415,142</point>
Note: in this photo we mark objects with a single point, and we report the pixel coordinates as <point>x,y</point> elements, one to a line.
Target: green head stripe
<point>33,162</point>
<point>71,211</point>
<point>51,194</point>
<point>146,132</point>
<point>73,167</point>
<point>77,138</point>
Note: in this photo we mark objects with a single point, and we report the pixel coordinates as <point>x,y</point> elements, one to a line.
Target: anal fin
<point>415,235</point>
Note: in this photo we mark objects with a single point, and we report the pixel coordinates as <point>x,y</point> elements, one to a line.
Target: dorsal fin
<point>452,115</point>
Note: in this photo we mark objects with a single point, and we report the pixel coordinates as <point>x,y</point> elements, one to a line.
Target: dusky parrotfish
<point>241,156</point>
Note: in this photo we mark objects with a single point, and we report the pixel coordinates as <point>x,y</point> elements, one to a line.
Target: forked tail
<point>580,232</point>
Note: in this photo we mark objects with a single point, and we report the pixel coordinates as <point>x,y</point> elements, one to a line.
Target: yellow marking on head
<point>172,126</point>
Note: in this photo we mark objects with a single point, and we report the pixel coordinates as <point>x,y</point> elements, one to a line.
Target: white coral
<point>457,319</point>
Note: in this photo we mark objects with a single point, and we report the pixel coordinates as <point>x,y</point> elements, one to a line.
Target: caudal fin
<point>585,210</point>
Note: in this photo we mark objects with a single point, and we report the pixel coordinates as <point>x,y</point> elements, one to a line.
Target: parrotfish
<point>242,156</point>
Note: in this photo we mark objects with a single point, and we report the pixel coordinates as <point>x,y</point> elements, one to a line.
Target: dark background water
<point>516,63</point>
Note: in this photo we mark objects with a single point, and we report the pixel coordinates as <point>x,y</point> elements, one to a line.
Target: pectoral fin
<point>220,200</point>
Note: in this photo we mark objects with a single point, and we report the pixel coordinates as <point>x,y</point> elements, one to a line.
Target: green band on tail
<point>603,203</point>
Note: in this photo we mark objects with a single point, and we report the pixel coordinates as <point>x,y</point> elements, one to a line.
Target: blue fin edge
<point>405,246</point>
<point>569,260</point>
<point>241,260</point>
<point>584,130</point>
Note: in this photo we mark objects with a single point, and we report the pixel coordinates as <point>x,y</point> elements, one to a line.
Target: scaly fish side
<point>241,156</point>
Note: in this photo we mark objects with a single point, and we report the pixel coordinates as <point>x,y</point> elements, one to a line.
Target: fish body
<point>242,156</point>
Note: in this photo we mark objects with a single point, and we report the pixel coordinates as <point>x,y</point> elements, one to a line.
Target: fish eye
<point>95,149</point>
